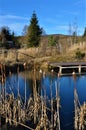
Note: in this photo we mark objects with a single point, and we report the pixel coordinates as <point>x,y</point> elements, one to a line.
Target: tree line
<point>31,35</point>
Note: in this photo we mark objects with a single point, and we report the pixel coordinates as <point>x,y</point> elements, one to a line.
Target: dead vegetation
<point>63,51</point>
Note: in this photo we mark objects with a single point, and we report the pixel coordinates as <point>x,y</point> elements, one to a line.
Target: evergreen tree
<point>51,41</point>
<point>7,38</point>
<point>34,31</point>
<point>5,34</point>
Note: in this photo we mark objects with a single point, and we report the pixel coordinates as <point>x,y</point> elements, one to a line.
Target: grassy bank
<point>41,57</point>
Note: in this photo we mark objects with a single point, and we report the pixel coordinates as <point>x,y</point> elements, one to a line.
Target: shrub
<point>79,55</point>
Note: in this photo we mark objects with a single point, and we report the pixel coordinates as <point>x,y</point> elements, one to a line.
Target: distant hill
<point>60,38</point>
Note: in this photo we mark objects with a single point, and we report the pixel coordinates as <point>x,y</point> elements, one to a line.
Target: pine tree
<point>5,34</point>
<point>34,31</point>
<point>51,41</point>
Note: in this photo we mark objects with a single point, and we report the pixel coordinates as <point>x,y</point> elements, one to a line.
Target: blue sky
<point>55,16</point>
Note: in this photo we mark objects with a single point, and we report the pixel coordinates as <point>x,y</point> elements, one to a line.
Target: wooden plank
<point>67,63</point>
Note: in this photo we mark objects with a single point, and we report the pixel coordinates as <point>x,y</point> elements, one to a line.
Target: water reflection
<point>66,92</point>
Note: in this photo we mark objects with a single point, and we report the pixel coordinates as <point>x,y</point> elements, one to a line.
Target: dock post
<point>0,120</point>
<point>79,69</point>
<point>60,69</point>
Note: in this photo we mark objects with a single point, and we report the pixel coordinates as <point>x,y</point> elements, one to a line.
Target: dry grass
<point>43,55</point>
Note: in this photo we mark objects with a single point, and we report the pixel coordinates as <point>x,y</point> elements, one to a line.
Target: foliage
<point>51,41</point>
<point>79,55</point>
<point>5,34</point>
<point>34,31</point>
<point>7,39</point>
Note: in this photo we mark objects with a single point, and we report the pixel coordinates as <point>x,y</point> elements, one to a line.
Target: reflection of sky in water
<point>66,93</point>
<point>67,96</point>
<point>81,87</point>
<point>12,83</point>
<point>66,86</point>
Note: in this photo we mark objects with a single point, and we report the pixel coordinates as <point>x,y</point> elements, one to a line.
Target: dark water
<point>66,93</point>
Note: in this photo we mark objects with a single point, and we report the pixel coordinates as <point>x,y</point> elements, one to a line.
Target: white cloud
<point>3,17</point>
<point>16,27</point>
<point>15,23</point>
<point>62,29</point>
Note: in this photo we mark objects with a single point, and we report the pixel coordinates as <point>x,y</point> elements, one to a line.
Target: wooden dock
<point>69,67</point>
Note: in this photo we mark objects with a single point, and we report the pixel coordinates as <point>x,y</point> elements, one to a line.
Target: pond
<point>16,83</point>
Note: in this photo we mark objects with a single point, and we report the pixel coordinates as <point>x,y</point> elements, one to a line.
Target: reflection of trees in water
<point>38,109</point>
<point>17,111</point>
